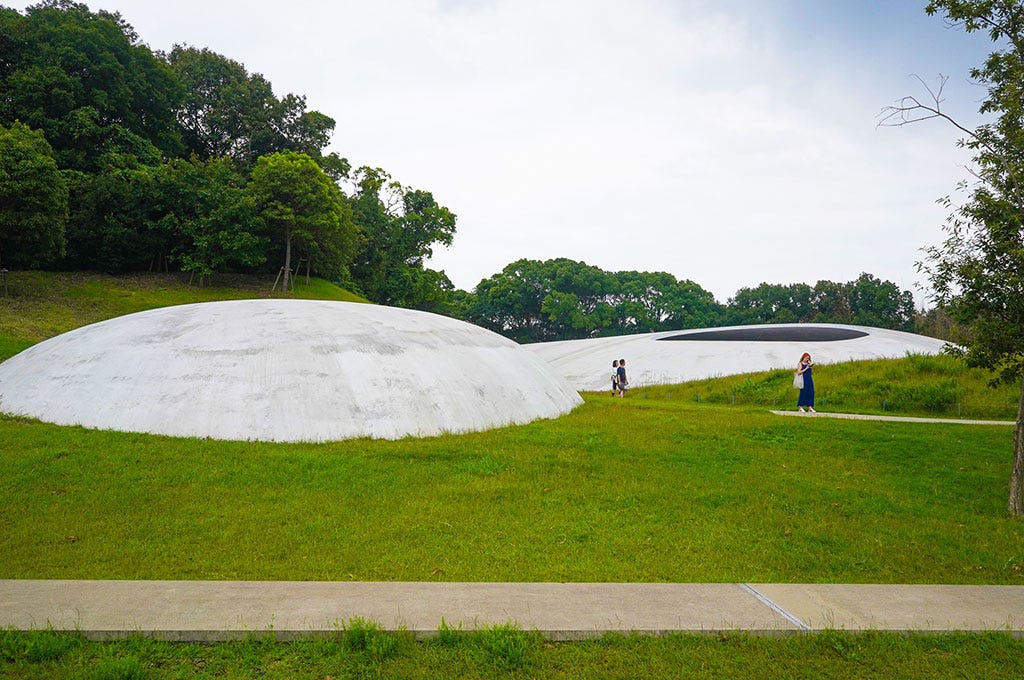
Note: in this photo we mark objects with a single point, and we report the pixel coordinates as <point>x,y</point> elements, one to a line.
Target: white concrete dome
<point>671,357</point>
<point>283,370</point>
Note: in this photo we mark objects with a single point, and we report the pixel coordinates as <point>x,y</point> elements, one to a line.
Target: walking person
<point>806,398</point>
<point>621,373</point>
<point>615,377</point>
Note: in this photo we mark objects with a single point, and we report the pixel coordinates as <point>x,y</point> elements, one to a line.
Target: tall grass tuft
<point>507,646</point>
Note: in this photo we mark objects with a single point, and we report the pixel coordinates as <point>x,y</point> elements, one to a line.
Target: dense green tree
<point>978,272</point>
<point>937,322</point>
<point>429,290</point>
<point>110,222</point>
<point>85,81</point>
<point>657,301</point>
<point>867,301</point>
<point>534,301</point>
<point>400,228</point>
<point>561,299</point>
<point>302,208</point>
<point>882,304</point>
<point>33,199</point>
<point>770,303</point>
<point>202,208</point>
<point>229,112</point>
<point>121,119</point>
<point>831,302</point>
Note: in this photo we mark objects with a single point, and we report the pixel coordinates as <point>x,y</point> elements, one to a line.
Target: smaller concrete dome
<point>671,357</point>
<point>283,370</point>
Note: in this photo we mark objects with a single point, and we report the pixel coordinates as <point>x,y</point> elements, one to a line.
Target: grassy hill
<point>40,305</point>
<point>917,385</point>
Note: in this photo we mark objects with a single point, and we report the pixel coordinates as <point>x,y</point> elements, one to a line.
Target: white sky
<point>728,142</point>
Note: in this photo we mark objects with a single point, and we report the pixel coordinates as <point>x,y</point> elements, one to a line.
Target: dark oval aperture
<point>772,334</point>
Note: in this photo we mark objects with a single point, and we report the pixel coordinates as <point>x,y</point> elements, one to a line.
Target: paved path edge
<point>211,611</point>
<point>893,419</point>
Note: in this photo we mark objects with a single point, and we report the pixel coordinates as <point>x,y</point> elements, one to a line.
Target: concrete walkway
<point>221,610</point>
<point>895,419</point>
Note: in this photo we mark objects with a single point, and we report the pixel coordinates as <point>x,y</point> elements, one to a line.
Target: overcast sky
<point>724,141</point>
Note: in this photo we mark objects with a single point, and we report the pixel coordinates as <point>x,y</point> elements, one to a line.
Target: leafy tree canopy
<point>400,227</point>
<point>302,208</point>
<point>560,299</point>
<point>33,199</point>
<point>83,79</point>
<point>866,301</point>
<point>202,207</point>
<point>228,112</point>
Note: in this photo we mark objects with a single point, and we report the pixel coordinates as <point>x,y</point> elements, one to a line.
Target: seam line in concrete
<point>767,601</point>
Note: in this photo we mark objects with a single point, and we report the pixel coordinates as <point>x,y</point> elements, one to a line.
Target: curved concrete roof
<point>677,356</point>
<point>283,370</point>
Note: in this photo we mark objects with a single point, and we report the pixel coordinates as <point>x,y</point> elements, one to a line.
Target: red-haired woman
<point>807,393</point>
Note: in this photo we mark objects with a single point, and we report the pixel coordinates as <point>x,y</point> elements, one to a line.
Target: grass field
<point>619,490</point>
<point>660,486</point>
<point>506,652</point>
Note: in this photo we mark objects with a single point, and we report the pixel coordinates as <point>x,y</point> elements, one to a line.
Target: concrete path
<point>220,610</point>
<point>897,419</point>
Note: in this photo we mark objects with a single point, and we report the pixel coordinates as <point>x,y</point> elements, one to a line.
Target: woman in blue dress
<point>807,393</point>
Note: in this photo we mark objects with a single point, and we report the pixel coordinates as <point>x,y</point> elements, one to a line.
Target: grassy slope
<point>931,386</point>
<point>41,305</point>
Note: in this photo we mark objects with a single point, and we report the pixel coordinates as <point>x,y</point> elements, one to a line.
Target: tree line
<point>117,158</point>
<point>562,299</point>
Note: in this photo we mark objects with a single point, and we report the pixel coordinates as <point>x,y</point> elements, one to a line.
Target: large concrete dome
<point>283,370</point>
<point>671,357</point>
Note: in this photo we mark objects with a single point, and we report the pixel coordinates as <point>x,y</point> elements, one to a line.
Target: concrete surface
<point>283,370</point>
<point>221,610</point>
<point>894,419</point>
<point>653,360</point>
<point>919,608</point>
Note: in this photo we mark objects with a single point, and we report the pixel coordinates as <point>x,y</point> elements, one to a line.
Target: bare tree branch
<point>910,109</point>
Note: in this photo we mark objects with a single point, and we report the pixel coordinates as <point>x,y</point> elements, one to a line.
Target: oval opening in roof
<point>772,334</point>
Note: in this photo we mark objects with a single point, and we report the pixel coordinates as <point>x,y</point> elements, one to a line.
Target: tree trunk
<point>1016,505</point>
<point>287,263</point>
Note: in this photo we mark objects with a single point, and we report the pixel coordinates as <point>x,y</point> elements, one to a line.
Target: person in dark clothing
<point>623,383</point>
<point>806,397</point>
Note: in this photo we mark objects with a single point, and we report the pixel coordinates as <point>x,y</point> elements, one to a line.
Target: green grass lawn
<point>506,652</point>
<point>618,490</point>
